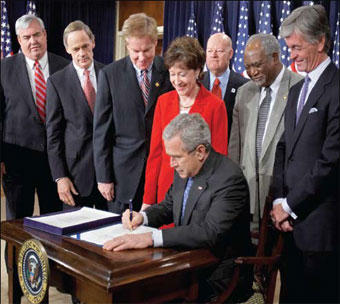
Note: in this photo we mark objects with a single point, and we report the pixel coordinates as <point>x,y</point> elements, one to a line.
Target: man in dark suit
<point>306,170</point>
<point>218,54</point>
<point>208,202</point>
<point>24,162</point>
<point>127,93</point>
<point>71,96</point>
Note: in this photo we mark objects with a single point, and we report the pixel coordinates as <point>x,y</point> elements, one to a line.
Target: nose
<point>173,162</point>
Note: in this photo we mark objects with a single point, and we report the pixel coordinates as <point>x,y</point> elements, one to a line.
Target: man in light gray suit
<point>258,117</point>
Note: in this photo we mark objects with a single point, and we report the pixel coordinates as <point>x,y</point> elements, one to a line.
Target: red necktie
<point>145,86</point>
<point>217,89</point>
<point>89,91</point>
<point>40,87</point>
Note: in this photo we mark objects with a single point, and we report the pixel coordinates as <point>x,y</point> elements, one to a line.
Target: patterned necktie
<point>40,88</point>
<point>185,195</point>
<point>216,89</point>
<point>302,98</point>
<point>89,91</point>
<point>145,86</point>
<point>261,122</point>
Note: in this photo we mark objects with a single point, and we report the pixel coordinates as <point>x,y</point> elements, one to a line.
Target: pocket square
<point>312,110</point>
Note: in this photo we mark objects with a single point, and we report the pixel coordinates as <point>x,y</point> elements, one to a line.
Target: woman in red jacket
<point>185,59</point>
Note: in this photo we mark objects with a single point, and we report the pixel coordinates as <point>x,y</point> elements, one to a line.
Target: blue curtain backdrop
<point>177,14</point>
<point>99,15</point>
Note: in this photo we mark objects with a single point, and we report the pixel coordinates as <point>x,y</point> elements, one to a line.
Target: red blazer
<point>159,175</point>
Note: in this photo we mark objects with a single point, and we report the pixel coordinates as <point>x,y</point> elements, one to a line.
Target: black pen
<point>131,213</point>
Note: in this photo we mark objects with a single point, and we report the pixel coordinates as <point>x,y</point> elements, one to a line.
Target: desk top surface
<point>106,268</point>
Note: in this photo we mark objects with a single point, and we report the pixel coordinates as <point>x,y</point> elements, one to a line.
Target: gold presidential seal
<point>33,271</point>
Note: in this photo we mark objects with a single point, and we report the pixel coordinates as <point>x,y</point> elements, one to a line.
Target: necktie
<point>89,91</point>
<point>145,86</point>
<point>261,121</point>
<point>185,195</point>
<point>302,98</point>
<point>216,89</point>
<point>40,87</point>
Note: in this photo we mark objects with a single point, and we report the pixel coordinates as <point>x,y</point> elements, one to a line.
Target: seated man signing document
<point>208,202</point>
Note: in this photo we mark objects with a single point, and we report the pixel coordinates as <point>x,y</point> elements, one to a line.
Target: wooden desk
<point>93,275</point>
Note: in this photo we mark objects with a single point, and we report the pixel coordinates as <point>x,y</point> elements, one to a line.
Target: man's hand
<point>137,220</point>
<point>2,169</point>
<point>65,190</point>
<point>286,226</point>
<point>129,241</point>
<point>144,206</point>
<point>279,216</point>
<point>107,190</point>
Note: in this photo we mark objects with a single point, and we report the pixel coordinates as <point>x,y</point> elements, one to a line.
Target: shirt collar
<point>42,61</point>
<point>80,71</point>
<point>315,74</point>
<point>223,78</point>
<point>138,71</point>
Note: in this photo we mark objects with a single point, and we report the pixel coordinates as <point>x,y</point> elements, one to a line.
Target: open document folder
<point>73,220</point>
<point>101,235</point>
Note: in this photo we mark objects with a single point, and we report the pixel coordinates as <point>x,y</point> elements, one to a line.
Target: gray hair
<point>310,21</point>
<point>269,43</point>
<point>24,21</point>
<point>192,130</point>
<point>77,26</point>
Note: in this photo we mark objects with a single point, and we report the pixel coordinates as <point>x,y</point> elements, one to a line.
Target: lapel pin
<point>157,84</point>
<point>200,188</point>
<point>233,90</point>
<point>284,97</point>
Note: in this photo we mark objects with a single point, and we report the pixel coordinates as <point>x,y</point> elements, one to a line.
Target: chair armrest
<point>257,260</point>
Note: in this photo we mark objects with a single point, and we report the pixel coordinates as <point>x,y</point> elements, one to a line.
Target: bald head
<point>219,53</point>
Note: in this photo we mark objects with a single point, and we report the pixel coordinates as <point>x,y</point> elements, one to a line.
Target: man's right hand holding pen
<point>137,220</point>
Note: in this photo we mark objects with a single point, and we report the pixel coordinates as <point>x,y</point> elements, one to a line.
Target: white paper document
<point>73,218</point>
<point>101,235</point>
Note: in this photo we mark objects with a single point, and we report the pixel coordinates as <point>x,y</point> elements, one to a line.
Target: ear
<point>200,152</point>
<point>276,57</point>
<point>321,44</point>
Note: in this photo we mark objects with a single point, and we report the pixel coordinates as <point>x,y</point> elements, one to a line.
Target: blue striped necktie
<point>186,195</point>
<point>145,86</point>
<point>302,98</point>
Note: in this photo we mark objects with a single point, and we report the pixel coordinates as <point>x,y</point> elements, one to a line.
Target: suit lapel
<point>231,87</point>
<point>156,84</point>
<point>178,198</point>
<point>277,112</point>
<point>26,85</point>
<point>77,92</point>
<point>206,80</point>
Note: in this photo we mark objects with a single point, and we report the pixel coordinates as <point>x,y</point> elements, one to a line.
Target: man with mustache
<point>24,163</point>
<point>71,95</point>
<point>258,117</point>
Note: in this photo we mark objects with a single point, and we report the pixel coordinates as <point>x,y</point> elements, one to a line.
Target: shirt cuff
<point>285,206</point>
<point>157,236</point>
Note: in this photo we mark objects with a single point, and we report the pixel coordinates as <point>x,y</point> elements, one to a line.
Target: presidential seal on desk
<point>33,271</point>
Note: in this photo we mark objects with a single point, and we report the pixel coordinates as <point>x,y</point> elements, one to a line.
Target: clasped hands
<point>130,241</point>
<point>281,219</point>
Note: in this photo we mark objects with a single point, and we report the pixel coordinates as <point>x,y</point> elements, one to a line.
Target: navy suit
<point>69,127</point>
<point>306,172</point>
<point>23,141</point>
<point>122,128</point>
<point>235,81</point>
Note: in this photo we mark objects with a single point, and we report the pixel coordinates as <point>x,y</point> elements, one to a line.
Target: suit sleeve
<point>234,148</point>
<point>154,162</point>
<point>103,131</point>
<point>219,129</point>
<point>55,129</point>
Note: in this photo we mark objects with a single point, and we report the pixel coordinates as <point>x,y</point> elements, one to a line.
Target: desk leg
<point>14,289</point>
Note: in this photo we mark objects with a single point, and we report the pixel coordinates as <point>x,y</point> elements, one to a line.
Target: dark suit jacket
<point>122,124</point>
<point>216,214</point>
<point>306,169</point>
<point>69,127</point>
<point>21,124</point>
<point>235,81</point>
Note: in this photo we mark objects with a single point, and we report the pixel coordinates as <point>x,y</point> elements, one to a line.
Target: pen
<point>131,213</point>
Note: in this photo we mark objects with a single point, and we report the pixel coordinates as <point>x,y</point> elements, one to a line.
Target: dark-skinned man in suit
<point>71,95</point>
<point>127,94</point>
<point>208,203</point>
<point>24,163</point>
<point>218,54</point>
<point>306,171</point>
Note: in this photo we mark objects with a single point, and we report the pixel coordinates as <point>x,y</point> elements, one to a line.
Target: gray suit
<point>216,216</point>
<point>242,144</point>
